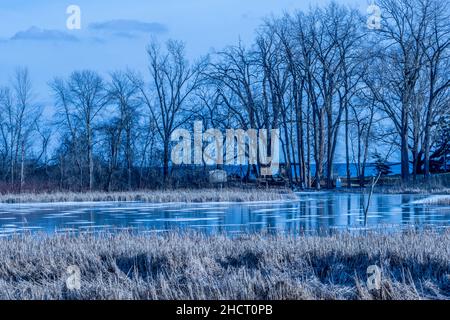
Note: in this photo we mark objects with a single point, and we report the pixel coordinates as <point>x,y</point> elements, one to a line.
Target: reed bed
<point>437,184</point>
<point>182,265</point>
<point>441,200</point>
<point>413,189</point>
<point>161,196</point>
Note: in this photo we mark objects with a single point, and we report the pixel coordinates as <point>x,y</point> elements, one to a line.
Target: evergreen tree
<point>381,166</point>
<point>441,151</point>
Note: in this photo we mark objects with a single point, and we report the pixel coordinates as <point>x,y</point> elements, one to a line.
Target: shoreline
<point>209,195</point>
<point>192,266</point>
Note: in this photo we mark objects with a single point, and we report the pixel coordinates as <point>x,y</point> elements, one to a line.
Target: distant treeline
<point>326,78</point>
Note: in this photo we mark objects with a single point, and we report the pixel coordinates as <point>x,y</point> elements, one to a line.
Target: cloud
<point>128,28</point>
<point>35,33</point>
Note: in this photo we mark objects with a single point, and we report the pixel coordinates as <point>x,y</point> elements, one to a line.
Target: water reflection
<point>313,212</point>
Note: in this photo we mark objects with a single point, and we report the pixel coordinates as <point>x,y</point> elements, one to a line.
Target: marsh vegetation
<point>177,265</point>
<point>157,196</point>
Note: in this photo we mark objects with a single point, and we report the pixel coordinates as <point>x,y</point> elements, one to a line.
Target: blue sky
<point>114,33</point>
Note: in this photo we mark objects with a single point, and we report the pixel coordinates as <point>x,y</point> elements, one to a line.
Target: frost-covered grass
<point>414,189</point>
<point>162,196</point>
<point>441,200</point>
<point>415,265</point>
<point>437,184</point>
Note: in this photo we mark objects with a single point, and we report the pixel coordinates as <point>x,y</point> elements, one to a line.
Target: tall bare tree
<point>173,80</point>
<point>20,114</point>
<point>123,92</point>
<point>80,100</point>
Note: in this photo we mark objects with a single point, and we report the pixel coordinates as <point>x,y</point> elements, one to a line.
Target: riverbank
<point>201,195</point>
<point>161,196</point>
<point>415,265</point>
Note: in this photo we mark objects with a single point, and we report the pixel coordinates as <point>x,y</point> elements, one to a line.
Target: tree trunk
<point>347,152</point>
<point>300,144</point>
<point>404,145</point>
<point>90,160</point>
<point>22,166</point>
<point>129,159</point>
<point>166,163</point>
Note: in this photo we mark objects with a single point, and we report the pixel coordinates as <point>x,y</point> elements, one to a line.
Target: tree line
<point>324,78</point>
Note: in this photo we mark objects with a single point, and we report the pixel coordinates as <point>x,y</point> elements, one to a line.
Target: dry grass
<point>399,189</point>
<point>415,265</point>
<point>163,196</point>
<point>435,200</point>
<point>437,184</point>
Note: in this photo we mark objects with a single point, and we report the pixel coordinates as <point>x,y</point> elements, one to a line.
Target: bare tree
<point>20,114</point>
<point>437,57</point>
<point>404,30</point>
<point>123,92</point>
<point>173,80</point>
<point>80,100</point>
<point>235,76</point>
